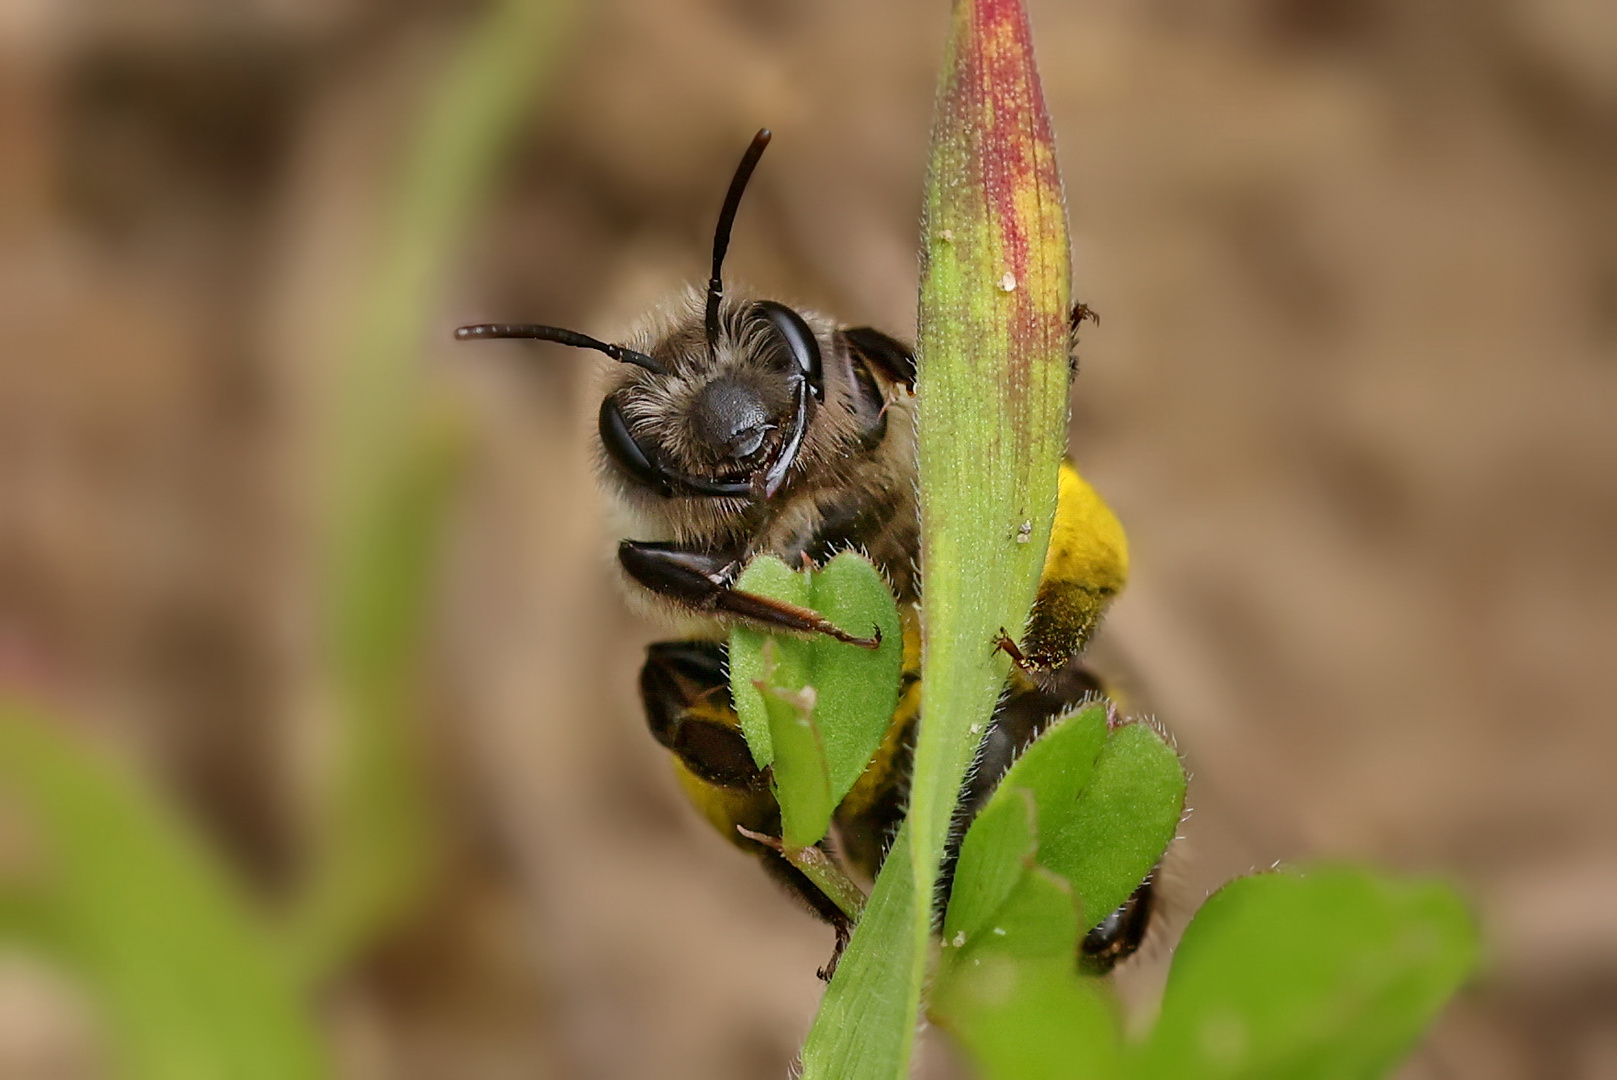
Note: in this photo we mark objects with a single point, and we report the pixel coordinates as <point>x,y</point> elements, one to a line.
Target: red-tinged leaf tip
<point>996,192</point>
<point>992,386</point>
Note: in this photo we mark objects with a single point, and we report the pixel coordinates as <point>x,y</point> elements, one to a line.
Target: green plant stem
<point>991,411</point>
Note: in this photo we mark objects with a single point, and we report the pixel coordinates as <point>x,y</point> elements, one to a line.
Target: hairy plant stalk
<point>992,389</point>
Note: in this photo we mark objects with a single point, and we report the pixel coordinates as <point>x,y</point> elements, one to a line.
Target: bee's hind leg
<point>1007,645</point>
<point>686,695</point>
<point>1085,566</point>
<point>1118,936</point>
<point>701,581</point>
<point>809,895</point>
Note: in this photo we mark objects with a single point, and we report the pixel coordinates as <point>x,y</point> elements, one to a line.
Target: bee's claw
<point>1006,644</point>
<point>830,968</point>
<point>872,643</point>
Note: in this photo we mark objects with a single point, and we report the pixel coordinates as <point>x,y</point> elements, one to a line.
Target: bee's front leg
<point>703,581</point>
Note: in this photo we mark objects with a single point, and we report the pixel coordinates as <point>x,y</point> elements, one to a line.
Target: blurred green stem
<point>391,459</point>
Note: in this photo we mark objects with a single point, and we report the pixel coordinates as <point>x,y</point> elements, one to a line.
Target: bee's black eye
<point>628,453</point>
<point>800,342</point>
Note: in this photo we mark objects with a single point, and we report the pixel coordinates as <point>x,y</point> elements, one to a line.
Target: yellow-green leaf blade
<point>802,779</point>
<point>857,688</point>
<point>787,664</point>
<point>991,389</point>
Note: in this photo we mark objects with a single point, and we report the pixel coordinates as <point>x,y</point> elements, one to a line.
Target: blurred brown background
<point>1354,394</point>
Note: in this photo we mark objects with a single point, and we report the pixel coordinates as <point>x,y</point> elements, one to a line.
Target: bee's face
<point>723,403</point>
<point>727,421</point>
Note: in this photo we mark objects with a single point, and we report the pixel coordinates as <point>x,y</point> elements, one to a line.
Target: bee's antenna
<point>564,337</point>
<point>721,235</point>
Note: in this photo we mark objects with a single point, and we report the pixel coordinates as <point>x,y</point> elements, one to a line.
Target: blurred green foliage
<point>1324,973</point>
<point>191,981</point>
<point>391,447</point>
<point>115,887</point>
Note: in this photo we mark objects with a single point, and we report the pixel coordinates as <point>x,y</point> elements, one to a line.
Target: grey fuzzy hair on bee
<point>726,415</point>
<point>720,406</point>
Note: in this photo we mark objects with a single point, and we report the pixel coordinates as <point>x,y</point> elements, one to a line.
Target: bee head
<point>722,422</point>
<point>722,415</point>
<point>716,400</point>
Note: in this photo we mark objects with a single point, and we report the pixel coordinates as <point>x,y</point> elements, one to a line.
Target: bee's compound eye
<point>800,342</point>
<point>628,453</point>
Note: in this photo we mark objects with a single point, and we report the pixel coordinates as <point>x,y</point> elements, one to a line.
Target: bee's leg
<point>1119,935</point>
<point>686,694</point>
<point>687,700</point>
<point>1085,567</point>
<point>1080,312</point>
<point>689,710</point>
<point>809,895</point>
<point>702,580</point>
<point>1007,645</point>
<point>888,355</point>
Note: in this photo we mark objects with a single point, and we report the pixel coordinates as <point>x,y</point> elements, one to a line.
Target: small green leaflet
<point>852,691</point>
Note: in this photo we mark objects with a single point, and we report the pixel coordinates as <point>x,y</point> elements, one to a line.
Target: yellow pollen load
<point>1087,542</point>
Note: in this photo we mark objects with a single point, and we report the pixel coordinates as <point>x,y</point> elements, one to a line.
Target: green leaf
<point>855,689</point>
<point>116,888</point>
<point>1106,840</point>
<point>1008,988</point>
<point>788,663</point>
<point>1011,996</point>
<point>1106,804</point>
<point>802,781</point>
<point>993,858</point>
<point>1328,973</point>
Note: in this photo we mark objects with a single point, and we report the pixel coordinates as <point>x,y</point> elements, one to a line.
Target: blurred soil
<point>1354,394</point>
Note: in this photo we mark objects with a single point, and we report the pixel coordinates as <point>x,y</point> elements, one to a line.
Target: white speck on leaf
<point>1008,282</point>
<point>959,938</point>
<point>1000,930</point>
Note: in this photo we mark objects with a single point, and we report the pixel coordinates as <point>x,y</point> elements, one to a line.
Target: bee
<point>736,426</point>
